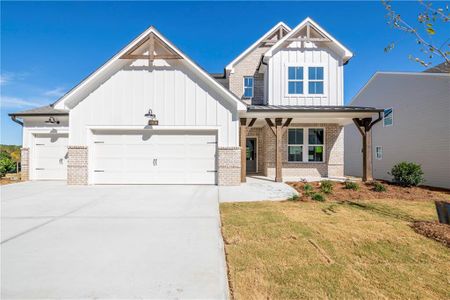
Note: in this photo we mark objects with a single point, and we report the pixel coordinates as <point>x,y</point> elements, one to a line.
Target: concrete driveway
<point>62,241</point>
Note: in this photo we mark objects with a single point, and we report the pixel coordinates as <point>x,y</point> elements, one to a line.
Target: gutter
<point>13,117</point>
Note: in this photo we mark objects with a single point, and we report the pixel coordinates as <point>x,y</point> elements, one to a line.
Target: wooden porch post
<point>364,127</point>
<point>244,128</point>
<point>279,129</point>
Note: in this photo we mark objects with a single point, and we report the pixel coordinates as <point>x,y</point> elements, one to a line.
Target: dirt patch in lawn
<point>4,181</point>
<point>433,230</point>
<point>366,191</point>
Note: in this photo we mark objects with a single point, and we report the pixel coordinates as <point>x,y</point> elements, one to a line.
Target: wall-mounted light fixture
<point>52,120</point>
<point>152,117</point>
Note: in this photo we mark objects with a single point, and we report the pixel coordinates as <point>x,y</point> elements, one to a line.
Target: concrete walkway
<point>127,242</point>
<point>256,189</point>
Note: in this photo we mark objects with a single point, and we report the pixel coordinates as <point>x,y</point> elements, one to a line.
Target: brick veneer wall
<point>25,164</point>
<point>77,167</point>
<point>333,165</point>
<point>229,166</point>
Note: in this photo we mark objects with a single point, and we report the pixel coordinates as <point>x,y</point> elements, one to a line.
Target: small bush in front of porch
<point>326,186</point>
<point>318,197</point>
<point>294,197</point>
<point>407,174</point>
<point>379,187</point>
<point>308,188</point>
<point>350,185</point>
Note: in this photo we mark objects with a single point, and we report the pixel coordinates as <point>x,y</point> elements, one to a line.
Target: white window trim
<point>253,87</point>
<point>317,80</point>
<point>295,80</point>
<point>392,117</point>
<point>306,93</point>
<point>306,145</point>
<point>376,152</point>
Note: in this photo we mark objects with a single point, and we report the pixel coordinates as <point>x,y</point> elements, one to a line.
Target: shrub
<point>326,186</point>
<point>379,187</point>
<point>407,174</point>
<point>308,189</point>
<point>7,165</point>
<point>350,185</point>
<point>318,197</point>
<point>294,197</point>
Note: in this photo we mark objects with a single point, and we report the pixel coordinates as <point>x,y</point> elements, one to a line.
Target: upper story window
<point>315,80</point>
<point>295,80</point>
<point>388,117</point>
<point>248,86</point>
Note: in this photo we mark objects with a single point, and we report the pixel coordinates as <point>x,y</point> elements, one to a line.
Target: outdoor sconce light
<point>52,120</point>
<point>152,117</point>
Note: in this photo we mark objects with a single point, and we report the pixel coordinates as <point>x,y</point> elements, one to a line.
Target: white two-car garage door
<point>50,156</point>
<point>154,157</point>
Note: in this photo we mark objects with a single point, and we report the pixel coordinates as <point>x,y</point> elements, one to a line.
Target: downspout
<point>17,121</point>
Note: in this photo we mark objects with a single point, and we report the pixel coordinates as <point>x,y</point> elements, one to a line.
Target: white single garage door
<point>154,157</point>
<point>50,156</point>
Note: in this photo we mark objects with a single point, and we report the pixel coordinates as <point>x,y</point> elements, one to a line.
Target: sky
<point>49,47</point>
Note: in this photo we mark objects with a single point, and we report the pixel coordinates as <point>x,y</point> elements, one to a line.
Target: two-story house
<point>151,115</point>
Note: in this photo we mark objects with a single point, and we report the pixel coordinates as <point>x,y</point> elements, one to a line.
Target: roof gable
<point>279,29</point>
<point>310,31</point>
<point>139,49</point>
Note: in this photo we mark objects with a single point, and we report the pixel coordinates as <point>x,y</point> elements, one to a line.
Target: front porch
<point>301,143</point>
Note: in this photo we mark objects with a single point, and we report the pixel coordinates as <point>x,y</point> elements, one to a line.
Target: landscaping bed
<point>367,191</point>
<point>433,230</point>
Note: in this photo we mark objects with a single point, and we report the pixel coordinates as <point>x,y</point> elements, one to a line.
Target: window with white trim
<point>306,144</point>
<point>295,144</point>
<point>388,117</point>
<point>316,139</point>
<point>248,86</point>
<point>315,80</point>
<point>295,80</point>
<point>378,152</point>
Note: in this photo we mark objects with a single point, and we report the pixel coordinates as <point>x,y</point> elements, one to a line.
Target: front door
<point>251,155</point>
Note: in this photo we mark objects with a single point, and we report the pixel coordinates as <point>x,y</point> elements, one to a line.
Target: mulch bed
<point>366,191</point>
<point>433,230</point>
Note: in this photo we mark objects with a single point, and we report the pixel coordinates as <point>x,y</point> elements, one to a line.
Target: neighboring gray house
<point>416,124</point>
<point>151,115</point>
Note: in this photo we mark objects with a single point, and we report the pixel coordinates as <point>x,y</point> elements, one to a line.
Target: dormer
<point>242,74</point>
<point>305,67</point>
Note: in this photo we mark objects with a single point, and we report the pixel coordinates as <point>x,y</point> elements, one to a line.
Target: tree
<point>7,165</point>
<point>424,34</point>
<point>15,156</point>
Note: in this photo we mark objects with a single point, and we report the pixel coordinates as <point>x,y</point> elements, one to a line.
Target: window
<point>295,144</point>
<point>248,87</point>
<point>315,80</point>
<point>315,144</point>
<point>306,145</point>
<point>388,118</point>
<point>379,152</point>
<point>295,80</point>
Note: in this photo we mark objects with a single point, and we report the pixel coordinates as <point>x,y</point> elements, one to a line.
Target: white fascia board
<point>110,63</point>
<point>230,66</point>
<point>347,53</point>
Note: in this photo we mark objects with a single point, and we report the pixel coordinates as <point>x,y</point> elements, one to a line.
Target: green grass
<point>293,250</point>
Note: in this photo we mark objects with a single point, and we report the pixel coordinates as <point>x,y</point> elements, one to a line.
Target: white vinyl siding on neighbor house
<point>248,87</point>
<point>177,96</point>
<point>421,132</point>
<point>294,56</point>
<point>306,144</point>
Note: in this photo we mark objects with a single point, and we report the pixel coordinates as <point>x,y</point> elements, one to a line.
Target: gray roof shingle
<point>441,68</point>
<point>41,111</point>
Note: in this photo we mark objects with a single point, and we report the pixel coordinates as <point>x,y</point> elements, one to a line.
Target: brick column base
<point>77,167</point>
<point>229,163</point>
<point>25,164</point>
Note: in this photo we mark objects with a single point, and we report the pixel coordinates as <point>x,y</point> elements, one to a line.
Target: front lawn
<point>363,249</point>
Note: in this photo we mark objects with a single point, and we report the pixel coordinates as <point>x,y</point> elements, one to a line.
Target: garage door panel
<point>137,157</point>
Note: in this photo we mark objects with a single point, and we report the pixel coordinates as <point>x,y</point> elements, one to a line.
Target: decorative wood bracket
<point>152,39</point>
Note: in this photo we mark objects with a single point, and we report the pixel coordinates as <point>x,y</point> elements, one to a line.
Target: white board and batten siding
<point>296,54</point>
<point>177,96</point>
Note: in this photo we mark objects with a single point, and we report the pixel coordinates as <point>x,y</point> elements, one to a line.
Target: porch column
<point>364,127</point>
<point>244,129</point>
<point>279,129</point>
